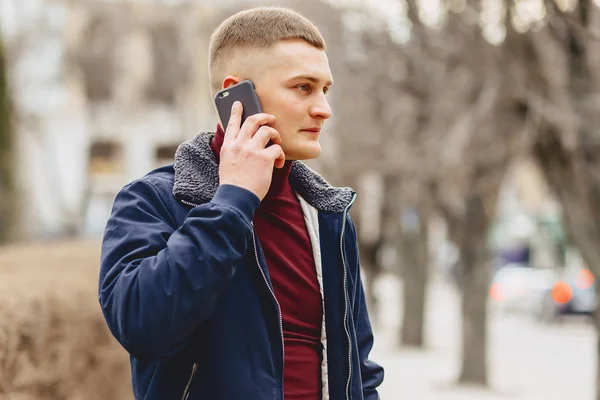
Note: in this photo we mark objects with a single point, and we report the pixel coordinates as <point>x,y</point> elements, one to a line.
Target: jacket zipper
<point>272,294</point>
<point>346,298</point>
<point>188,203</point>
<point>276,302</point>
<point>186,391</point>
<point>279,308</point>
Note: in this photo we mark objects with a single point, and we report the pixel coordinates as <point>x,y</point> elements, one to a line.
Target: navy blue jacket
<point>185,289</point>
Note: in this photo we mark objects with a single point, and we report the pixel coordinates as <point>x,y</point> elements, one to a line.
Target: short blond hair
<point>257,28</point>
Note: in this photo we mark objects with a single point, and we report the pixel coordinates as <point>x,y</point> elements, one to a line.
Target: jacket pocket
<point>186,391</point>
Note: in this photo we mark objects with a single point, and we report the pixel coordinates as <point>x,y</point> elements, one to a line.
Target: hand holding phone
<point>246,161</point>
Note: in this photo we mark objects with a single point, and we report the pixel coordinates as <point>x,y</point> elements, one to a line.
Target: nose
<point>321,109</point>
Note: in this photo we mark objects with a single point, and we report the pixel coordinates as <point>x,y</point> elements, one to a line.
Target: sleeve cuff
<point>239,198</point>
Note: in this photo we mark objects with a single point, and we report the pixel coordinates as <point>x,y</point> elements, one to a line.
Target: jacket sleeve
<point>372,373</point>
<point>159,281</point>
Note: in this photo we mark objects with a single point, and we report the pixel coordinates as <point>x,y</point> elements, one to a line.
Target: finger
<point>264,135</point>
<point>233,126</point>
<point>252,123</point>
<point>276,153</point>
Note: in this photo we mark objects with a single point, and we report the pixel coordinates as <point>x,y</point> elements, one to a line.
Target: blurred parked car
<point>519,288</point>
<point>573,292</point>
<point>545,294</point>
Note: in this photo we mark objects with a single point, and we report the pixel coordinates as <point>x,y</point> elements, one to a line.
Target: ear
<point>230,81</point>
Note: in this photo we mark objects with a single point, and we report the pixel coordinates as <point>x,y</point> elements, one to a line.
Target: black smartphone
<point>243,92</point>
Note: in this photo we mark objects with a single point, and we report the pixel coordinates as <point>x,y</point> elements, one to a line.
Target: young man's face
<point>292,84</point>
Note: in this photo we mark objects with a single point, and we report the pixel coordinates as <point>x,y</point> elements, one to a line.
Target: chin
<point>304,153</point>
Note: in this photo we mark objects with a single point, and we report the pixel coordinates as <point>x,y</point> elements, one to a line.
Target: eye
<point>326,89</point>
<point>304,87</point>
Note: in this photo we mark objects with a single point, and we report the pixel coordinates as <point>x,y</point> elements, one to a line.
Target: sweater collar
<point>197,177</point>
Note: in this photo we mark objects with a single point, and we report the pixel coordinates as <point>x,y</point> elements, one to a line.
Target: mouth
<point>315,131</point>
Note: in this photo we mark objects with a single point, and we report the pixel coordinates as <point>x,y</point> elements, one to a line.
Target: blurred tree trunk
<point>368,247</point>
<point>475,281</point>
<point>7,189</point>
<point>413,256</point>
<point>576,184</point>
<point>370,266</point>
<point>567,145</point>
<point>405,226</point>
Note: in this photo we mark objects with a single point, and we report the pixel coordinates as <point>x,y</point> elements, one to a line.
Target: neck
<point>279,181</point>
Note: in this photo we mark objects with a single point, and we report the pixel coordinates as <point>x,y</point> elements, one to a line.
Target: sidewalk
<point>527,360</point>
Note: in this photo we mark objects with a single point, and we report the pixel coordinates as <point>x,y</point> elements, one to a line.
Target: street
<point>528,360</point>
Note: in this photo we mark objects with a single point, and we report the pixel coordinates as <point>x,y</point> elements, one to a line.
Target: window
<point>106,157</point>
<point>165,154</point>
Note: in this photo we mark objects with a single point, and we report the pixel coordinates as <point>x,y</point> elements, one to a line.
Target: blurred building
<point>104,92</point>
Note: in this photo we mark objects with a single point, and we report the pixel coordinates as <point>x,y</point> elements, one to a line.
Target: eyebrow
<point>311,78</point>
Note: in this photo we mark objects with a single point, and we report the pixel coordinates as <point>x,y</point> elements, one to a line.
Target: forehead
<point>297,58</point>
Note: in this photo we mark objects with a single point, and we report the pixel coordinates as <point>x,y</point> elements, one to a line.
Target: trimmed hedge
<point>54,343</point>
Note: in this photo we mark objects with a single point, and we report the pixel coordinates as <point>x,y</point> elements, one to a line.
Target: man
<point>234,274</point>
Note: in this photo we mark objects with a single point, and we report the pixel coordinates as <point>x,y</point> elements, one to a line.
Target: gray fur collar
<point>197,178</point>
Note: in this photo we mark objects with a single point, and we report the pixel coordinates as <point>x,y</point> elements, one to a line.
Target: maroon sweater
<point>281,231</point>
